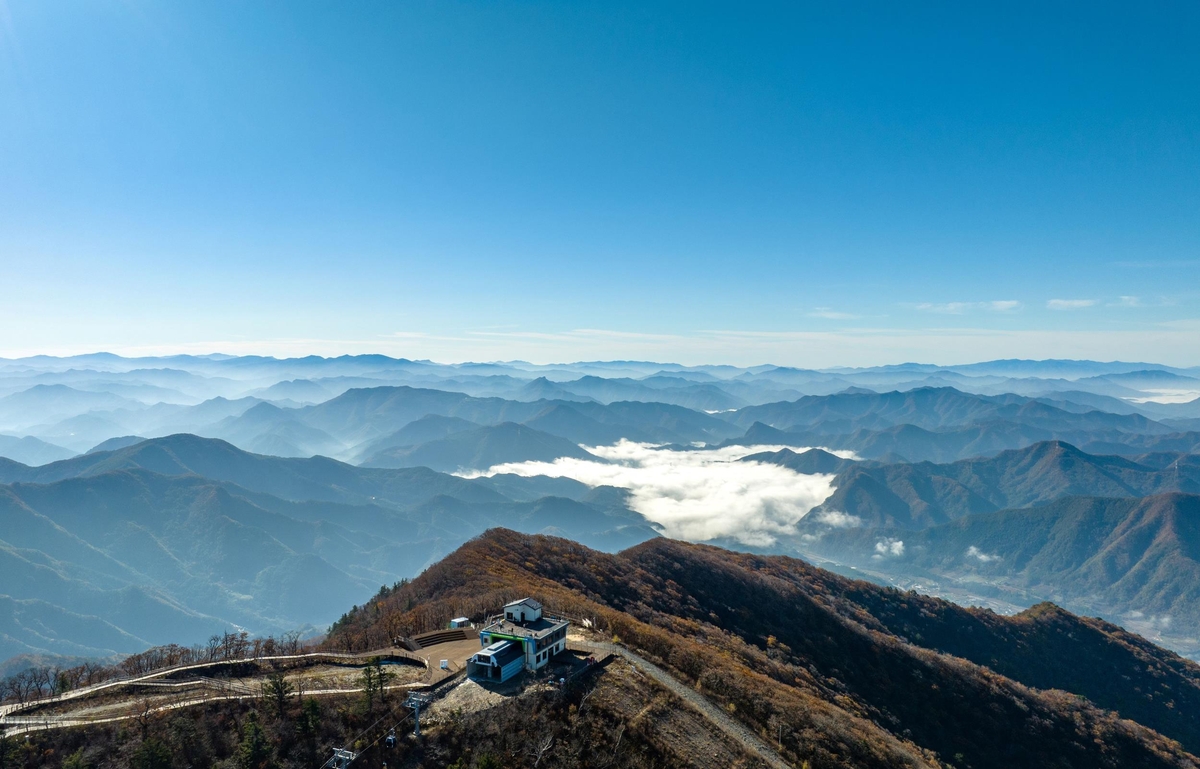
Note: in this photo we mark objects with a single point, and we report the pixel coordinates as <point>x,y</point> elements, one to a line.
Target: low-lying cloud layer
<point>979,555</point>
<point>697,495</point>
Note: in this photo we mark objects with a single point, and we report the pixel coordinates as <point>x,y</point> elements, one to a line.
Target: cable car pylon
<point>416,701</point>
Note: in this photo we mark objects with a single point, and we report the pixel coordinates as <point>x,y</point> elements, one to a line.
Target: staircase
<point>435,637</point>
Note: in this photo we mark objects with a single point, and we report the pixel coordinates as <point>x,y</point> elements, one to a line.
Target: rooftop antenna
<point>416,701</point>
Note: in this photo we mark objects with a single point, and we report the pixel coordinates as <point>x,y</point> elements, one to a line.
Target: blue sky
<point>806,184</point>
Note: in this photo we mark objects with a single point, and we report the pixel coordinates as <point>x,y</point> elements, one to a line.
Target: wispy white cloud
<point>1069,304</point>
<point>947,308</point>
<point>889,548</point>
<point>1126,301</point>
<point>577,335</point>
<point>697,495</point>
<point>830,314</point>
<point>838,520</point>
<point>979,555</point>
<point>961,308</point>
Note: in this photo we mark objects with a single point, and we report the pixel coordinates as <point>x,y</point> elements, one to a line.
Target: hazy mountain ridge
<point>83,401</point>
<point>933,408</point>
<point>272,416</point>
<point>31,451</point>
<point>480,449</point>
<point>914,496</point>
<point>906,442</point>
<point>808,462</point>
<point>179,537</point>
<point>1128,559</point>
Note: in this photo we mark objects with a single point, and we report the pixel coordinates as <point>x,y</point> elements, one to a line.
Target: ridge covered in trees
<point>854,674</point>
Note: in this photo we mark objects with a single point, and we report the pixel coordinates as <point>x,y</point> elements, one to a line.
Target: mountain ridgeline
<point>913,496</point>
<point>1108,535</point>
<point>165,501</point>
<point>841,673</point>
<point>388,518</point>
<point>1126,558</point>
<point>350,408</point>
<point>176,538</point>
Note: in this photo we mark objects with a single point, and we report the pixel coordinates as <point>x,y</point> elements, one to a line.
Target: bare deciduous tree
<point>541,749</point>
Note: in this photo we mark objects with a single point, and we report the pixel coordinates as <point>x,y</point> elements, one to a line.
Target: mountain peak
<point>707,615</point>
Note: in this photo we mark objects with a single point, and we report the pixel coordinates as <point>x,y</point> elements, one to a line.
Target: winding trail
<point>15,724</point>
<point>22,724</point>
<point>750,741</point>
<point>12,723</point>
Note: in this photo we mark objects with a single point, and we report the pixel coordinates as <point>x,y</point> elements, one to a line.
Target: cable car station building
<point>523,638</point>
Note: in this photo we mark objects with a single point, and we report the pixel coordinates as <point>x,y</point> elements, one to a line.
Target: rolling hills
<point>175,538</point>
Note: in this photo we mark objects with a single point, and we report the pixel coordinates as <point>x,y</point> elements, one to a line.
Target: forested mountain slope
<point>173,539</point>
<point>913,496</point>
<point>853,674</point>
<point>1123,558</point>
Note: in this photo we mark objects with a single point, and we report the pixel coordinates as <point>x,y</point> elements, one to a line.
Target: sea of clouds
<point>700,494</point>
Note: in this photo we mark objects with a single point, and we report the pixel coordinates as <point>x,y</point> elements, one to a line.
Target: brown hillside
<point>849,673</point>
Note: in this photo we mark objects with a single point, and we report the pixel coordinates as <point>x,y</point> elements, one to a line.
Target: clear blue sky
<point>810,184</point>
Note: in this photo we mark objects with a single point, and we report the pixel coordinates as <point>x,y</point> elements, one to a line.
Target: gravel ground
<point>735,730</point>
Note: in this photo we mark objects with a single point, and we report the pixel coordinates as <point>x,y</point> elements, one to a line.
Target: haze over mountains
<point>154,500</point>
<point>301,407</point>
<point>186,536</point>
<point>1106,535</point>
<point>1133,559</point>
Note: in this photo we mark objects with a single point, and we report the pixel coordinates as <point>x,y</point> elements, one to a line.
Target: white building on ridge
<point>522,632</point>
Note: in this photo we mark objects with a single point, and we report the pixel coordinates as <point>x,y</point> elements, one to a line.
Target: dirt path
<point>719,718</point>
<point>752,743</point>
<point>13,725</point>
<point>85,713</point>
<point>86,691</point>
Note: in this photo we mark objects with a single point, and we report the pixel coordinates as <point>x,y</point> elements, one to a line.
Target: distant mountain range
<point>913,496</point>
<point>938,424</point>
<point>287,407</point>
<point>206,492</point>
<point>480,449</point>
<point>175,538</point>
<point>31,451</point>
<point>1132,559</point>
<point>933,408</point>
<point>1110,535</point>
<point>944,424</point>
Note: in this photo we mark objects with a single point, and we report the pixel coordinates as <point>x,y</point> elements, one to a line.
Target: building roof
<point>536,629</point>
<point>503,652</point>
<point>530,602</point>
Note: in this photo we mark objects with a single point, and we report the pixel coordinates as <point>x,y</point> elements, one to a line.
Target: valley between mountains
<point>679,511</point>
